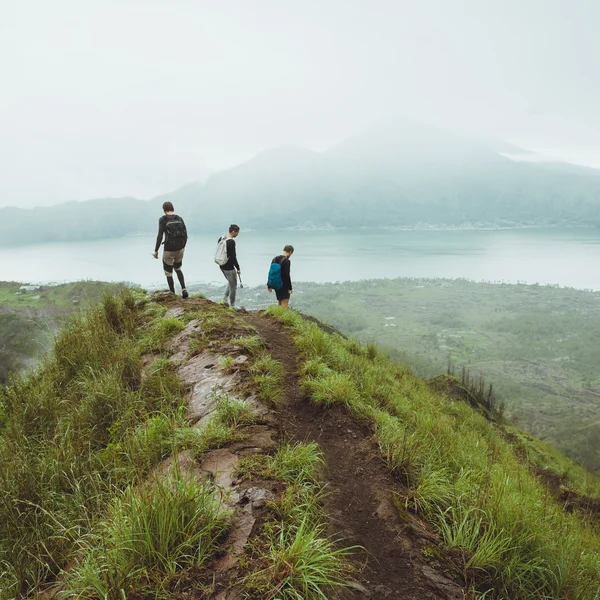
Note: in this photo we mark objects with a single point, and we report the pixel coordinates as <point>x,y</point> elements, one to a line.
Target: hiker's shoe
<point>235,307</point>
<point>224,303</point>
<point>184,294</point>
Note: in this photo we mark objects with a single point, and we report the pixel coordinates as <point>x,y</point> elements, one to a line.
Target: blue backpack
<point>274,280</point>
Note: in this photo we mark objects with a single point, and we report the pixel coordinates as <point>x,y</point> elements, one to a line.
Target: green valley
<point>30,315</point>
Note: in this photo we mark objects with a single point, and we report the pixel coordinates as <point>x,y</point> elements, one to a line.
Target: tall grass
<point>151,531</point>
<point>303,564</point>
<point>74,433</point>
<point>460,473</point>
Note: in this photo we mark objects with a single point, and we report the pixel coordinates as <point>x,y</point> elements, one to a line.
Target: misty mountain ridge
<point>397,173</point>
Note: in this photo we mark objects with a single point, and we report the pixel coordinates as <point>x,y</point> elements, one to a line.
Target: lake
<point>568,257</point>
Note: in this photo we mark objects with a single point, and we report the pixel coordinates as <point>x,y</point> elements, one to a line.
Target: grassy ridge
<point>61,435</point>
<point>81,433</point>
<point>81,501</point>
<point>460,472</point>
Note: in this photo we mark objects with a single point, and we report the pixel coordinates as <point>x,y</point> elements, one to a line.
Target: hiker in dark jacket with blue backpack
<point>279,276</point>
<point>172,227</point>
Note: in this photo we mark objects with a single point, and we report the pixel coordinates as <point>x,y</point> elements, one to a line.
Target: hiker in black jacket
<point>172,227</point>
<point>231,269</point>
<point>283,294</point>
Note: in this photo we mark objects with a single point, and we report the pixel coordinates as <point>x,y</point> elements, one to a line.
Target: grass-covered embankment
<point>89,498</point>
<point>460,473</point>
<point>76,440</point>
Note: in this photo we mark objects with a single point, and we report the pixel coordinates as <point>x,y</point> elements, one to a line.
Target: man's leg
<point>232,280</point>
<point>179,272</point>
<point>168,269</point>
<point>283,298</point>
<point>226,296</point>
<point>177,266</point>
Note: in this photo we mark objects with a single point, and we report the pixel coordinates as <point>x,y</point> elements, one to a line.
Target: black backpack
<point>175,233</point>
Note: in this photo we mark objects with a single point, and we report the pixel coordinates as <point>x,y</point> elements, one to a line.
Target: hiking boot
<point>235,307</point>
<point>184,294</point>
<point>224,303</point>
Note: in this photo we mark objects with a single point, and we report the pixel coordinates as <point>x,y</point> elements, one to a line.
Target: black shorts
<point>282,294</point>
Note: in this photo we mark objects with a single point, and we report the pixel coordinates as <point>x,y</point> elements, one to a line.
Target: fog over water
<point>137,97</point>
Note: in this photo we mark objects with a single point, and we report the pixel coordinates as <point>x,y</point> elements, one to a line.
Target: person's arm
<point>231,254</point>
<point>162,223</point>
<point>285,274</point>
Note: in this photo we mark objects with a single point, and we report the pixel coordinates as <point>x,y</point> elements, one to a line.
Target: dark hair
<point>289,249</point>
<point>168,206</point>
<point>233,227</point>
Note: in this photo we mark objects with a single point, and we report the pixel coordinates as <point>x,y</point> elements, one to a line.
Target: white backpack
<point>221,252</point>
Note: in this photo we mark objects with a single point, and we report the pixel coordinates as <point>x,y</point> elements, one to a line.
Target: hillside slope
<point>28,320</point>
<point>178,449</point>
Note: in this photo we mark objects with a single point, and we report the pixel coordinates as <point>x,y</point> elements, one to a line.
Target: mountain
<point>170,448</point>
<point>76,221</point>
<point>397,172</point>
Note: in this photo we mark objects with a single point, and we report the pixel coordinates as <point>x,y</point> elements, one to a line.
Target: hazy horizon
<point>132,98</point>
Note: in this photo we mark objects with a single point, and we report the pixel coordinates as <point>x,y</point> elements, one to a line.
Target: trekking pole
<point>241,284</point>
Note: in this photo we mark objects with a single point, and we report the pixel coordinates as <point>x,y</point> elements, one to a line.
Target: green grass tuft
<point>152,531</point>
<point>303,565</point>
<point>233,412</point>
<point>250,344</point>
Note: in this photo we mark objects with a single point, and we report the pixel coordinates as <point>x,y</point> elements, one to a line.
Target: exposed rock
<point>186,463</point>
<point>162,296</point>
<point>254,497</point>
<point>235,593</point>
<point>449,589</point>
<point>221,464</point>
<point>259,438</point>
<point>250,500</point>
<point>258,407</point>
<point>381,591</point>
<point>203,403</point>
<point>360,588</point>
<point>243,524</point>
<point>175,313</point>
<point>206,381</point>
<point>180,344</point>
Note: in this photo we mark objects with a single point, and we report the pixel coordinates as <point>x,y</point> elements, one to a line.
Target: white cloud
<point>134,97</point>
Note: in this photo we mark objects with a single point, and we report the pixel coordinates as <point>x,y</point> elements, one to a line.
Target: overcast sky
<point>137,97</point>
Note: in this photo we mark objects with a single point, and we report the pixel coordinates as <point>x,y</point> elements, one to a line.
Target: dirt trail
<point>360,502</point>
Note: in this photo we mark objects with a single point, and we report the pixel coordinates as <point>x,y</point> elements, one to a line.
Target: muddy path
<point>360,502</point>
